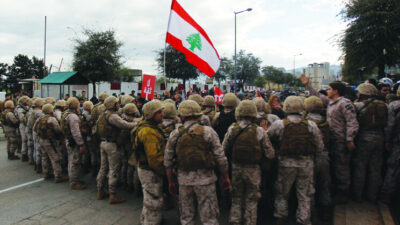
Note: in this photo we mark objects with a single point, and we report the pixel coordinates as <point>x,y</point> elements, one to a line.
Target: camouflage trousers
<point>37,154</point>
<point>153,199</point>
<point>24,140</point>
<point>367,166</point>
<point>302,177</point>
<point>127,171</point>
<point>94,153</point>
<point>341,160</point>
<point>29,145</point>
<point>74,164</point>
<point>49,153</point>
<point>322,179</point>
<point>207,204</point>
<point>12,144</point>
<point>246,181</point>
<point>110,166</point>
<point>392,178</point>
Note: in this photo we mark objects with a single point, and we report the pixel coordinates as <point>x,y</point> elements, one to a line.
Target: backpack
<point>297,139</point>
<point>246,148</point>
<point>375,115</point>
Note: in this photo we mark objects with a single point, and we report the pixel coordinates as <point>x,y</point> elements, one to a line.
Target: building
<point>319,74</point>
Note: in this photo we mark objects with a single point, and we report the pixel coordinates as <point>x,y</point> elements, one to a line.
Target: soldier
<point>264,117</point>
<point>10,125</point>
<point>148,155</point>
<point>209,107</point>
<point>108,128</point>
<point>125,99</point>
<point>391,183</point>
<point>49,132</point>
<point>225,117</point>
<point>129,177</point>
<point>170,120</point>
<point>248,143</point>
<point>61,106</point>
<point>22,109</point>
<point>90,156</point>
<point>28,132</point>
<point>322,174</point>
<point>204,119</point>
<point>342,120</point>
<point>70,124</point>
<point>50,100</point>
<point>299,140</point>
<point>36,114</point>
<point>368,156</point>
<point>196,150</point>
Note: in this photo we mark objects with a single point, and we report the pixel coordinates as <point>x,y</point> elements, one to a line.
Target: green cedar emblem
<point>194,41</point>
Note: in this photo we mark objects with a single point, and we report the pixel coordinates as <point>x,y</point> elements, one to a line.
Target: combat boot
<point>114,199</point>
<point>60,179</point>
<point>100,195</point>
<point>47,176</point>
<point>39,169</point>
<point>77,186</point>
<point>13,157</point>
<point>24,158</point>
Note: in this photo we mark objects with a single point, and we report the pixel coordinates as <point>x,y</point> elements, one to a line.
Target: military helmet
<point>313,104</point>
<point>230,100</point>
<point>169,110</point>
<point>9,104</point>
<point>88,105</point>
<point>47,108</point>
<point>209,101</point>
<point>189,108</point>
<point>126,99</point>
<point>61,103</point>
<point>151,108</point>
<point>261,105</point>
<point>130,109</point>
<point>103,96</point>
<point>110,102</point>
<point>50,100</point>
<point>169,101</point>
<point>23,100</point>
<point>39,102</point>
<point>246,108</point>
<point>293,104</point>
<point>367,89</point>
<point>197,98</point>
<point>73,103</point>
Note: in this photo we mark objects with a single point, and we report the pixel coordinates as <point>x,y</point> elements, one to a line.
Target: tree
<point>3,74</point>
<point>260,82</point>
<point>38,68</point>
<point>97,58</point>
<point>371,39</point>
<point>272,74</point>
<point>247,67</point>
<point>225,70</point>
<point>176,65</point>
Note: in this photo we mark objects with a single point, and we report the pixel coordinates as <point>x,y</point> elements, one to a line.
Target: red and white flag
<point>258,94</point>
<point>148,85</point>
<point>186,36</point>
<point>218,95</point>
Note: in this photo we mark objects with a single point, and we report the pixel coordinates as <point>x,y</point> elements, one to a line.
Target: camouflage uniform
<point>322,171</point>
<point>111,156</point>
<point>10,131</point>
<point>295,171</point>
<point>49,150</point>
<point>72,144</point>
<point>246,179</point>
<point>367,159</point>
<point>198,184</point>
<point>205,120</point>
<point>21,112</point>
<point>391,182</point>
<point>342,119</point>
<point>29,137</point>
<point>37,153</point>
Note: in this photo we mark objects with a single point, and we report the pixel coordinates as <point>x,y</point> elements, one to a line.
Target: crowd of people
<point>247,153</point>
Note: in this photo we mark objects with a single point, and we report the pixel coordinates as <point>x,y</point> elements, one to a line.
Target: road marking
<point>21,185</point>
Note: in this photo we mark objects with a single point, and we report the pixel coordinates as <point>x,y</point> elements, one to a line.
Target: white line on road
<point>21,185</point>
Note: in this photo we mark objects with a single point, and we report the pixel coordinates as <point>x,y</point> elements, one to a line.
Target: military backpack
<point>297,139</point>
<point>105,129</point>
<point>246,148</point>
<point>373,115</point>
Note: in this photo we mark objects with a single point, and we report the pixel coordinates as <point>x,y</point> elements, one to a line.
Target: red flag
<point>148,85</point>
<point>258,94</point>
<point>218,95</point>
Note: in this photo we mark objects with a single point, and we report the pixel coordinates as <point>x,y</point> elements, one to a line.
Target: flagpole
<point>165,45</point>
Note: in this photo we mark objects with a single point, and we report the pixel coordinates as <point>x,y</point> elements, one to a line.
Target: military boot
<point>77,186</point>
<point>39,169</point>
<point>60,179</point>
<point>100,195</point>
<point>13,157</point>
<point>114,199</point>
<point>24,158</point>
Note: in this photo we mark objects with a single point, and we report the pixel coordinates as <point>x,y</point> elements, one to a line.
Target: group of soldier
<point>180,151</point>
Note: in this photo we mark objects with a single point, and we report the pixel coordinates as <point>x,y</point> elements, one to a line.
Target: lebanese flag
<point>186,36</point>
<point>258,94</point>
<point>218,95</point>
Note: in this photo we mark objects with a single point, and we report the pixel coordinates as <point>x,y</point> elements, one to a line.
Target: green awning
<point>57,77</point>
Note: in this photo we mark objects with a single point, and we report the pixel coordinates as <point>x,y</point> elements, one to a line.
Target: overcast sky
<point>274,31</point>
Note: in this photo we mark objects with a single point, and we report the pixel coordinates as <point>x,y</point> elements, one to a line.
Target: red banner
<point>218,95</point>
<point>148,85</point>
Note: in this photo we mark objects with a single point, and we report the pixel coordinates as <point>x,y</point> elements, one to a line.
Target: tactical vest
<point>105,130</point>
<point>85,126</point>
<point>193,152</point>
<point>246,148</point>
<point>124,136</point>
<point>373,115</point>
<point>167,130</point>
<point>224,121</point>
<point>297,139</point>
<point>323,126</point>
<point>43,130</point>
<point>65,126</point>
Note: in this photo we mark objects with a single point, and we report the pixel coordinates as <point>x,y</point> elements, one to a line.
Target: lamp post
<point>294,63</point>
<point>234,69</point>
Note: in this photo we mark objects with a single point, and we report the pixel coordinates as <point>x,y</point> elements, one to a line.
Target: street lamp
<point>234,69</point>
<point>294,63</point>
